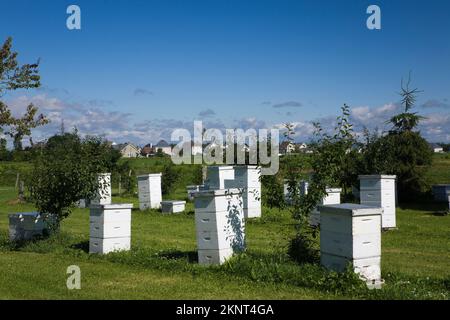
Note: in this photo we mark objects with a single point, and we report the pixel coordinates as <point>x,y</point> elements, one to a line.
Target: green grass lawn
<point>162,263</point>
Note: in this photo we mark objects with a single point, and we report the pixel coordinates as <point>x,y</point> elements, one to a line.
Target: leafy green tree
<point>329,162</point>
<point>21,127</point>
<point>273,195</point>
<point>65,170</point>
<point>169,178</point>
<point>403,151</point>
<point>13,77</point>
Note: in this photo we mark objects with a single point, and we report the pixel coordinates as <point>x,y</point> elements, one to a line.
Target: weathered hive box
<point>380,191</point>
<point>149,189</point>
<point>110,228</point>
<point>333,197</point>
<point>351,233</point>
<point>104,192</point>
<point>441,192</point>
<point>248,179</point>
<point>24,226</point>
<point>219,221</point>
<point>193,189</point>
<point>219,177</point>
<point>172,206</point>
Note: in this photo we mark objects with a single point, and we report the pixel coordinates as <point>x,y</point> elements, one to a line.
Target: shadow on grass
<point>424,206</point>
<point>83,245</point>
<point>190,256</point>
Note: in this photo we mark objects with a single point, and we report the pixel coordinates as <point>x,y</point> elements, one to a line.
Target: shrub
<point>65,170</point>
<point>169,177</point>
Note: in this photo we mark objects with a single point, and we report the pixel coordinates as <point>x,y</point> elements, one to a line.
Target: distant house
<point>287,147</point>
<point>196,149</point>
<point>128,150</point>
<point>147,150</point>
<point>436,148</point>
<point>301,146</point>
<point>164,147</point>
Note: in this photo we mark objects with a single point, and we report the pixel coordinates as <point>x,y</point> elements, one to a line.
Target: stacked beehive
<point>380,191</point>
<point>351,233</point>
<point>110,228</point>
<point>104,192</point>
<point>149,188</point>
<point>333,197</point>
<point>25,226</point>
<point>247,179</point>
<point>219,177</point>
<point>219,220</point>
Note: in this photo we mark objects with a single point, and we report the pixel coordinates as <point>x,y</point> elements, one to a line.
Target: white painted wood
<point>149,189</point>
<point>351,233</point>
<point>110,213</point>
<point>171,206</point>
<point>219,177</point>
<point>380,191</point>
<point>104,246</point>
<point>333,197</point>
<point>368,268</point>
<point>104,192</point>
<point>214,257</point>
<point>218,200</point>
<point>221,239</point>
<point>357,225</point>
<point>110,229</point>
<point>211,221</point>
<point>220,224</point>
<point>350,246</point>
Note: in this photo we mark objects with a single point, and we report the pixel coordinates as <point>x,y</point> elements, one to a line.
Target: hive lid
<point>173,202</point>
<point>112,206</point>
<point>377,176</point>
<point>217,193</point>
<point>26,214</point>
<point>351,209</point>
<point>144,176</point>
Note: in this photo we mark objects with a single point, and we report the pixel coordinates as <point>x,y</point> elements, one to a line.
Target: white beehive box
<point>110,228</point>
<point>351,233</point>
<point>333,197</point>
<point>149,189</point>
<point>220,226</point>
<point>104,192</point>
<point>219,177</point>
<point>24,226</point>
<point>172,206</point>
<point>247,179</point>
<point>380,191</point>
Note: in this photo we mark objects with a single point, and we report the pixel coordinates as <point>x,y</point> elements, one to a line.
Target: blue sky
<point>138,69</point>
